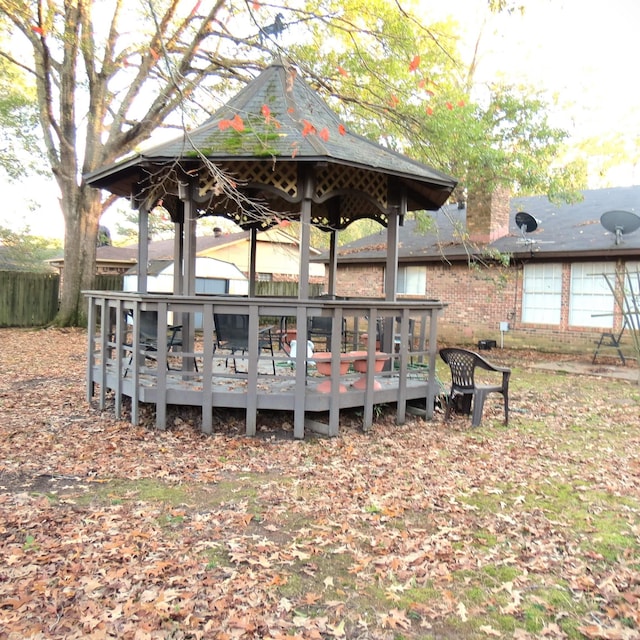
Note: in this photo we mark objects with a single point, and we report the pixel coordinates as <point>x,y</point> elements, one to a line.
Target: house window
<point>542,293</point>
<point>412,280</point>
<point>591,300</point>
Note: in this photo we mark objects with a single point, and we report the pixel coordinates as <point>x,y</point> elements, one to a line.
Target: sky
<point>582,51</point>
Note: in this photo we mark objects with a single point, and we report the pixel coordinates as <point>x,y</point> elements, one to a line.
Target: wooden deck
<point>120,362</point>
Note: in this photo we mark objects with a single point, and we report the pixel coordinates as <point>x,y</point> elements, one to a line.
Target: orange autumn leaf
<point>38,30</point>
<point>429,111</point>
<point>312,598</point>
<point>324,134</point>
<point>223,125</point>
<point>256,5</point>
<point>154,54</point>
<point>394,101</point>
<point>449,106</point>
<point>343,72</point>
<point>266,112</point>
<point>341,130</point>
<point>308,128</point>
<point>415,63</point>
<point>461,103</point>
<point>237,123</point>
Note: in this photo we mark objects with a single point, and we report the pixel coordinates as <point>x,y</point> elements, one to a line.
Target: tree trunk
<point>81,207</point>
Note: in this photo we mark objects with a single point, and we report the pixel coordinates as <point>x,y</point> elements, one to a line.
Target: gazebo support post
<point>143,246</point>
<point>301,317</point>
<point>253,268</point>
<point>333,262</point>
<point>188,270</point>
<point>305,237</point>
<point>390,277</point>
<point>178,251</point>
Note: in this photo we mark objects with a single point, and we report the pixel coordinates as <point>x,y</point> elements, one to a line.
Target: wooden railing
<point>120,358</point>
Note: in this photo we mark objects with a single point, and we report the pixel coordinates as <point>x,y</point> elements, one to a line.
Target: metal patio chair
<point>463,365</point>
<point>319,330</point>
<point>232,334</point>
<point>149,338</point>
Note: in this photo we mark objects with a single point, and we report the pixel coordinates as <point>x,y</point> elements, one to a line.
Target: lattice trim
<point>340,178</point>
<point>352,207</point>
<point>281,176</point>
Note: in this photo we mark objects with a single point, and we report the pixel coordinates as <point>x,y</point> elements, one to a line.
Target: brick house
<point>551,290</point>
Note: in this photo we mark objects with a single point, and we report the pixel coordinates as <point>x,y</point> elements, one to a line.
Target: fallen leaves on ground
<point>424,530</point>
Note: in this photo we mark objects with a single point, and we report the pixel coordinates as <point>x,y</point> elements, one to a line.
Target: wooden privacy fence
<point>108,282</point>
<point>284,289</point>
<point>28,299</point>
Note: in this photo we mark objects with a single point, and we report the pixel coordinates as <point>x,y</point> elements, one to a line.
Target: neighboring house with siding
<point>551,291</point>
<point>277,255</point>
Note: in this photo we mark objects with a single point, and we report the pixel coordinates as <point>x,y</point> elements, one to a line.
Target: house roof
<point>205,268</point>
<point>163,249</point>
<point>564,230</point>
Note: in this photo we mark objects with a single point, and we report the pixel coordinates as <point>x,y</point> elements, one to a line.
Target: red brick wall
<point>360,281</point>
<point>479,299</point>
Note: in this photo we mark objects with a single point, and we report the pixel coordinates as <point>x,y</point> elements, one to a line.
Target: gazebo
<point>274,152</point>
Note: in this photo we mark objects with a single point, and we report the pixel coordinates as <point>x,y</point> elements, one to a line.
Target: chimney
<point>488,214</point>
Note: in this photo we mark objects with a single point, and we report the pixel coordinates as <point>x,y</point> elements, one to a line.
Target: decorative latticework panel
<point>281,176</point>
<point>357,206</point>
<point>352,207</point>
<point>334,178</point>
<point>340,196</point>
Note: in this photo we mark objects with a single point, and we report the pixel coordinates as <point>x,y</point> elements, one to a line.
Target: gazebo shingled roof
<point>267,139</point>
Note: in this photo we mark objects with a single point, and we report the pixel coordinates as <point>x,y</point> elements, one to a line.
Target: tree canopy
<point>109,74</point>
<point>24,251</point>
<point>20,150</point>
<point>407,86</point>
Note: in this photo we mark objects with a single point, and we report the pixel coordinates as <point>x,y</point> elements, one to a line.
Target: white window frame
<point>591,302</point>
<point>412,280</point>
<point>542,293</point>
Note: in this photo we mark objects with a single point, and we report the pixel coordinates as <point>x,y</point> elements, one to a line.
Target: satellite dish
<point>526,222</point>
<point>620,223</point>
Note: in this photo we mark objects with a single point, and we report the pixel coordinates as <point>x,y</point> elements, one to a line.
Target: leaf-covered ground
<point>426,530</point>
